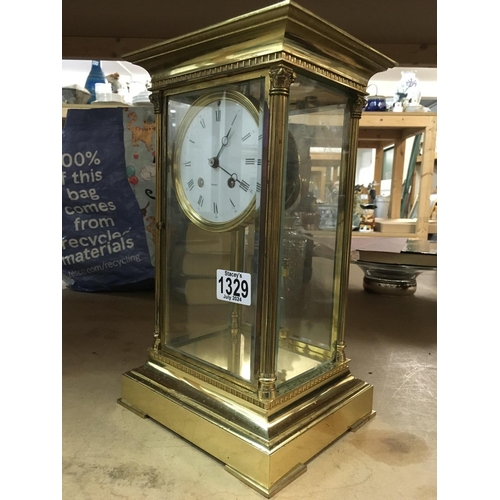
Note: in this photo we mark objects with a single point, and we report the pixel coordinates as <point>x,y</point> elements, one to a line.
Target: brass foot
<point>274,488</point>
<point>362,421</point>
<point>131,408</point>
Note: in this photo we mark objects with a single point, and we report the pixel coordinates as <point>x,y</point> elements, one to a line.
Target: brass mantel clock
<point>257,123</point>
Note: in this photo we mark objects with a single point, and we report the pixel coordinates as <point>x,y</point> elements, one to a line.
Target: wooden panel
<point>379,134</point>
<point>397,179</point>
<point>374,144</point>
<point>112,48</point>
<point>104,48</point>
<point>377,175</point>
<point>409,54</point>
<point>427,167</point>
<point>325,157</point>
<point>396,120</point>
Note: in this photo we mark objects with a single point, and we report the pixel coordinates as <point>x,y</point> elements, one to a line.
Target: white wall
<point>76,72</point>
<point>386,83</point>
<point>365,166</point>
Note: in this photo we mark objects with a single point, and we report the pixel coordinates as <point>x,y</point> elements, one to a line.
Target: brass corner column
<point>156,100</point>
<point>355,107</point>
<point>281,77</point>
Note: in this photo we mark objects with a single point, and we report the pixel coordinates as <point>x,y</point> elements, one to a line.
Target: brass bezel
<point>249,213</point>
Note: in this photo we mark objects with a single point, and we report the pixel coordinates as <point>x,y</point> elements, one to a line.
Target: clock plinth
<point>255,129</point>
<point>267,448</point>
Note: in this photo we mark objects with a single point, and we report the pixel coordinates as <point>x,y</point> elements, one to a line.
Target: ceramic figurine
<point>114,79</point>
<point>367,223</point>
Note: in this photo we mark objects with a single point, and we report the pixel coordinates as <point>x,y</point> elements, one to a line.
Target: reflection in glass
<point>316,124</point>
<point>223,335</point>
<point>216,161</point>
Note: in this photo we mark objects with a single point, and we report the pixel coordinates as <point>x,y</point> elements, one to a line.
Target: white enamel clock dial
<point>217,161</point>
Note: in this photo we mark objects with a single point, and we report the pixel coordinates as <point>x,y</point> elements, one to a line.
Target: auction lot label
<point>233,286</point>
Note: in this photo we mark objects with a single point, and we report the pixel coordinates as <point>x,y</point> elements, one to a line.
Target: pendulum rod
<point>237,264</point>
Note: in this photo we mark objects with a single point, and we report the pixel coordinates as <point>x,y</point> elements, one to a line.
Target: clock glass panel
<point>215,156</point>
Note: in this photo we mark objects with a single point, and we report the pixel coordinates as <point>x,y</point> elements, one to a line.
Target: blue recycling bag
<point>108,203</point>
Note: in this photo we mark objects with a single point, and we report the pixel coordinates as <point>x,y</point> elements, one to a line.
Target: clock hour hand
<point>233,178</point>
<point>231,182</point>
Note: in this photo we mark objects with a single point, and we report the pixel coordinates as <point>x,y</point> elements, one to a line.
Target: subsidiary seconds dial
<point>217,161</point>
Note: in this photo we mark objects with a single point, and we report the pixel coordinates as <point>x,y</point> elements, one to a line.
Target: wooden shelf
<point>66,107</point>
<point>375,234</point>
<point>379,130</point>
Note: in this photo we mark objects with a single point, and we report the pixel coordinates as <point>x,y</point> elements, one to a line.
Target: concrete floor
<point>110,453</point>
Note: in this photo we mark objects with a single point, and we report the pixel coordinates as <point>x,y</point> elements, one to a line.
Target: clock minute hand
<point>214,162</point>
<point>225,141</point>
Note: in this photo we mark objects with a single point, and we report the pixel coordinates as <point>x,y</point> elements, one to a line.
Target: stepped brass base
<point>265,448</point>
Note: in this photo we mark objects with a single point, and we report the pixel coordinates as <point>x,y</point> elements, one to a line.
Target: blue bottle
<point>96,75</point>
